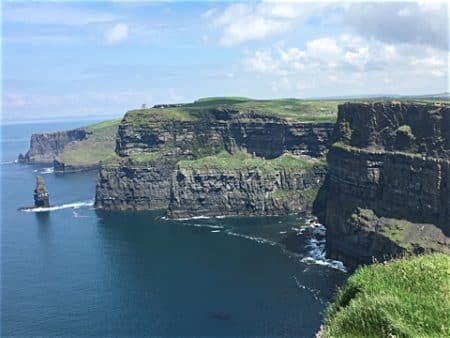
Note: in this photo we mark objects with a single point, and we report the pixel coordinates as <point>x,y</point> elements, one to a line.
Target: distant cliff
<point>387,188</point>
<point>45,147</point>
<point>141,179</point>
<point>73,150</point>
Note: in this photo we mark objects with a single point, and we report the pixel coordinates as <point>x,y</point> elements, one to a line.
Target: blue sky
<point>100,59</point>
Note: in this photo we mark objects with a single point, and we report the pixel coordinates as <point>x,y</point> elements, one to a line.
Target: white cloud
<point>243,22</point>
<point>353,62</point>
<point>116,34</point>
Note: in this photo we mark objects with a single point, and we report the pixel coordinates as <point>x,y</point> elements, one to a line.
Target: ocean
<point>76,271</point>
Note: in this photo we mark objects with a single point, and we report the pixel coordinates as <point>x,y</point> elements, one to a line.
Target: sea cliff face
<point>137,182</point>
<point>243,191</point>
<point>45,147</point>
<point>387,187</point>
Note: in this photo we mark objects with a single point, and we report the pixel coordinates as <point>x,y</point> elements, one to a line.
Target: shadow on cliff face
<point>320,203</point>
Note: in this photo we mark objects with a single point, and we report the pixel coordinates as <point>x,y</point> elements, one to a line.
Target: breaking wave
<point>75,205</point>
<point>316,248</point>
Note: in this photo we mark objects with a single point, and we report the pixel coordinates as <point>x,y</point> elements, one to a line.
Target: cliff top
<point>97,146</point>
<point>226,107</point>
<point>321,110</point>
<point>412,127</point>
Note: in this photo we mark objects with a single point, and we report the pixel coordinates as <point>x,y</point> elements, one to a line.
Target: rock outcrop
<point>45,147</point>
<point>134,187</point>
<point>387,190</point>
<point>41,198</point>
<point>243,191</point>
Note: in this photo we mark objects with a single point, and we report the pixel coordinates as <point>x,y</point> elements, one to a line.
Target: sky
<point>70,59</point>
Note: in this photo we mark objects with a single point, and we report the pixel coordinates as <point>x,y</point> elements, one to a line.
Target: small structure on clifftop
<point>41,199</point>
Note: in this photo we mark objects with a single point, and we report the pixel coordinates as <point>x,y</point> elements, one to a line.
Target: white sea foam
<point>200,225</point>
<point>316,249</point>
<point>44,171</point>
<point>314,292</point>
<point>215,230</point>
<point>252,238</point>
<point>75,205</point>
<point>190,218</point>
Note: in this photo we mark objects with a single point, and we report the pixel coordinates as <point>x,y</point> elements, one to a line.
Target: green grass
<point>320,110</point>
<point>242,160</point>
<point>98,146</point>
<point>145,158</point>
<point>291,109</point>
<point>104,124</point>
<point>406,297</point>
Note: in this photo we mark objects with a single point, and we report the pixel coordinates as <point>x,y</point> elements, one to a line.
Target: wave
<point>215,230</point>
<point>44,171</point>
<point>316,248</point>
<point>75,205</point>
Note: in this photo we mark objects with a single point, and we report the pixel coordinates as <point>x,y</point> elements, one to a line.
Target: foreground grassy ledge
<point>407,297</point>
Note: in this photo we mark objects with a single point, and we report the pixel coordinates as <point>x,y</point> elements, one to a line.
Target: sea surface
<point>75,271</point>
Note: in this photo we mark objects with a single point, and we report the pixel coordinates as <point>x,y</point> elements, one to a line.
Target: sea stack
<point>41,194</point>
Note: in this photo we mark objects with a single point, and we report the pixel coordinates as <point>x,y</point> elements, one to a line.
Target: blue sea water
<point>75,271</point>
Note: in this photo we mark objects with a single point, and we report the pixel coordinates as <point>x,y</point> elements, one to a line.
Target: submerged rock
<point>41,198</point>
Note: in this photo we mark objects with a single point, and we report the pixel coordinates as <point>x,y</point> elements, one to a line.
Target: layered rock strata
<point>148,185</point>
<point>387,187</point>
<point>243,191</point>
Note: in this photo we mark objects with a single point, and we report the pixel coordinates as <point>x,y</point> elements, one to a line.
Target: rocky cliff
<point>137,181</point>
<point>73,150</point>
<point>249,187</point>
<point>387,188</point>
<point>45,147</point>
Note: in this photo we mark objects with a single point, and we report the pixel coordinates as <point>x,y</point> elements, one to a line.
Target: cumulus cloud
<point>353,61</point>
<point>116,34</point>
<point>243,22</point>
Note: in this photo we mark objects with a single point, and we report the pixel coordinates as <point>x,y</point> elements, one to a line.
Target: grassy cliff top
<point>319,110</point>
<point>407,297</point>
<point>292,109</point>
<point>242,160</point>
<point>98,146</point>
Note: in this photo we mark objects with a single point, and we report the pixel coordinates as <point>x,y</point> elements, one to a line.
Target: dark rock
<point>389,169</point>
<point>41,198</point>
<point>247,191</point>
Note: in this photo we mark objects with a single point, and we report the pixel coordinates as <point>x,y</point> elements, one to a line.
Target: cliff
<point>387,186</point>
<point>241,185</point>
<point>73,150</point>
<point>208,128</point>
<point>45,147</point>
